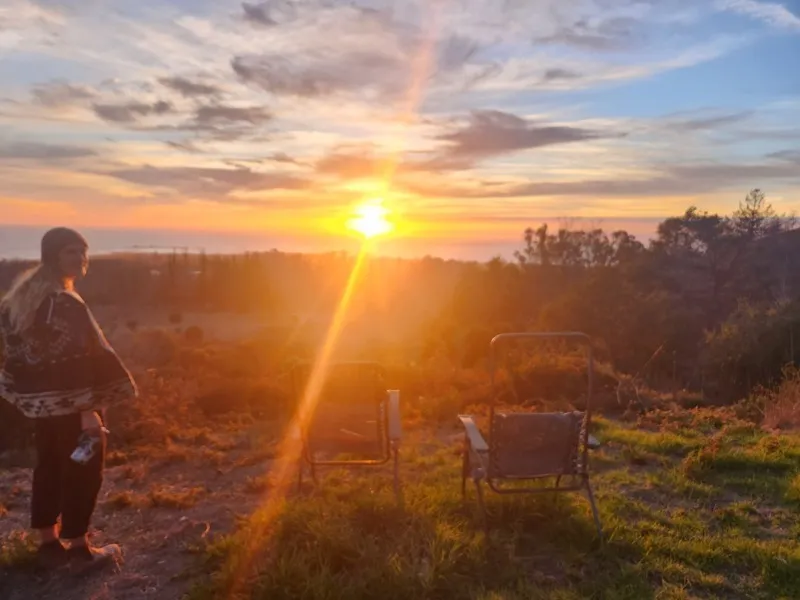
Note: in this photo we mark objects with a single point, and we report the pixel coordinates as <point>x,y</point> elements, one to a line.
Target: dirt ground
<point>160,512</point>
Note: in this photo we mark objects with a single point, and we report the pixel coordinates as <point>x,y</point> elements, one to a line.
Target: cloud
<point>351,163</point>
<point>224,122</point>
<point>367,161</point>
<point>788,155</point>
<point>221,113</point>
<point>771,13</point>
<point>282,157</point>
<point>269,13</point>
<point>454,51</point>
<point>186,146</point>
<point>343,49</point>
<point>207,182</point>
<point>560,74</point>
<point>219,122</point>
<point>129,112</point>
<point>488,133</point>
<point>617,33</point>
<point>315,75</point>
<point>55,94</point>
<point>673,180</point>
<point>494,132</point>
<point>713,122</point>
<point>34,150</point>
<point>189,88</point>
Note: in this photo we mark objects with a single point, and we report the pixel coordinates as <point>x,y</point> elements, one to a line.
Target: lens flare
<point>370,220</point>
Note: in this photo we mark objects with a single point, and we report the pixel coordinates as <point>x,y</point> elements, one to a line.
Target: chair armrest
<point>473,434</point>
<point>395,423</point>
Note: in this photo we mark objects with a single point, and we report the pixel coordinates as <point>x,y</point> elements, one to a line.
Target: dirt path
<point>160,512</point>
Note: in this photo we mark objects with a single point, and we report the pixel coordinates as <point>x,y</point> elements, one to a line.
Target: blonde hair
<point>27,294</point>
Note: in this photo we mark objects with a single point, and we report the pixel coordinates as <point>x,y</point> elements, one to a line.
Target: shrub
<point>154,348</point>
<point>261,398</point>
<point>193,335</point>
<point>776,408</point>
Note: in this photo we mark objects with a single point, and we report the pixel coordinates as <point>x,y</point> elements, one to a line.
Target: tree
<point>535,249</point>
<point>755,217</point>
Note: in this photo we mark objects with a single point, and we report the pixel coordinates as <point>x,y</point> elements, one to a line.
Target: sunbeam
<point>286,463</point>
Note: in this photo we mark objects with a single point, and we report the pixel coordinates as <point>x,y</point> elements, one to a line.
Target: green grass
<point>684,524</point>
<point>17,551</point>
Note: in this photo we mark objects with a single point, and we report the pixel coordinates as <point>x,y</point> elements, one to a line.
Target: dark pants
<point>60,485</point>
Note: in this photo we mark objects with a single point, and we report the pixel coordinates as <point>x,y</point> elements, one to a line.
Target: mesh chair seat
<point>531,445</point>
<point>354,421</point>
<point>337,428</point>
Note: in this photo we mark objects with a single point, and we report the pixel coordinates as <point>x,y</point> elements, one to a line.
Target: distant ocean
<point>22,242</point>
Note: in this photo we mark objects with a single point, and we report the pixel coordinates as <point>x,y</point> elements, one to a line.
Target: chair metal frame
<point>388,422</point>
<point>478,453</point>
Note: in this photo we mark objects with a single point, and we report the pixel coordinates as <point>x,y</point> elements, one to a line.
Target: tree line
<point>711,302</point>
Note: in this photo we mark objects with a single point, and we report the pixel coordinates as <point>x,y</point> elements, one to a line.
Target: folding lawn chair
<point>530,448</point>
<point>355,422</point>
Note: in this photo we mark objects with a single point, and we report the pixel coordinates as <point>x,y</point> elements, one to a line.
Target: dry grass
<point>258,484</point>
<point>782,406</point>
<point>134,473</point>
<point>126,499</point>
<point>169,498</point>
<point>116,457</point>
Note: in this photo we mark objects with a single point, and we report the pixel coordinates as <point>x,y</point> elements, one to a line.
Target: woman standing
<point>60,371</point>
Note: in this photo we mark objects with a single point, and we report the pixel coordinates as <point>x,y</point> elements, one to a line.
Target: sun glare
<point>371,220</point>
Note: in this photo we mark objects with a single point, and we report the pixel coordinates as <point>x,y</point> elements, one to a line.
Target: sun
<point>370,219</point>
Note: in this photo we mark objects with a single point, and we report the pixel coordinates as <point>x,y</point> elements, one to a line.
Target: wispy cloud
<point>56,94</point>
<point>212,183</point>
<point>493,132</point>
<point>772,13</point>
<point>189,88</point>
<point>715,121</point>
<point>39,151</point>
<point>130,111</point>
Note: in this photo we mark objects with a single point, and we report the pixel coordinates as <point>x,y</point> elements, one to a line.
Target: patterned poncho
<point>63,363</point>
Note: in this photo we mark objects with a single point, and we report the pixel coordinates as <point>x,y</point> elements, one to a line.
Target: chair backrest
<point>543,437</point>
<point>350,412</point>
<point>530,445</point>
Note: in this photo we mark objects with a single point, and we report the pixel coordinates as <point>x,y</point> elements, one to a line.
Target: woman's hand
<point>90,421</point>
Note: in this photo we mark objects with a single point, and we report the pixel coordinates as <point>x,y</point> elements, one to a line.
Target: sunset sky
<point>470,118</point>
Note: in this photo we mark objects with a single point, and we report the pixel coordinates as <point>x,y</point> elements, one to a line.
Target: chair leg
<point>595,514</point>
<point>465,470</point>
<point>397,491</point>
<point>300,474</point>
<point>481,501</point>
<point>555,491</point>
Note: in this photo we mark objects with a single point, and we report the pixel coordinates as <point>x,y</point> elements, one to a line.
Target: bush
<point>261,399</point>
<point>154,348</point>
<point>776,408</point>
<point>193,335</point>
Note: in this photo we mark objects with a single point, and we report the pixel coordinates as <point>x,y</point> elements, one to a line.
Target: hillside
<point>695,503</point>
